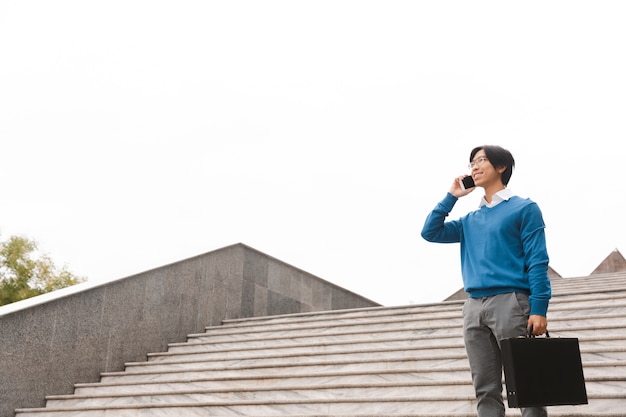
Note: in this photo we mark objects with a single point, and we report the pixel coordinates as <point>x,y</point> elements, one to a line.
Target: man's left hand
<point>539,324</point>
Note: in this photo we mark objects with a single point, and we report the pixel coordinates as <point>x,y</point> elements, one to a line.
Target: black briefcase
<point>543,371</point>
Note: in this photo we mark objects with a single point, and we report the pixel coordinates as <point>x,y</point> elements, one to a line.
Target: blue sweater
<point>503,248</point>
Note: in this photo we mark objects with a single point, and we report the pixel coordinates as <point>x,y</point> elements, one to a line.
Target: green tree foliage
<point>24,273</point>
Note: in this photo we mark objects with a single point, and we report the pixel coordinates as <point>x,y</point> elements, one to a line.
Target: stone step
<point>591,335</point>
<point>271,380</point>
<point>596,386</point>
<point>297,345</point>
<point>337,336</point>
<point>445,327</point>
<point>443,372</point>
<point>600,283</point>
<point>613,330</point>
<point>590,309</point>
<point>593,365</point>
<point>588,303</point>
<point>369,312</point>
<point>238,350</point>
<point>596,364</point>
<point>305,355</point>
<point>421,359</point>
<point>317,363</point>
<point>574,300</point>
<point>597,280</point>
<point>417,392</point>
<point>332,391</point>
<point>426,322</point>
<point>439,377</point>
<point>589,342</point>
<point>457,405</point>
<point>612,324</point>
<point>558,311</point>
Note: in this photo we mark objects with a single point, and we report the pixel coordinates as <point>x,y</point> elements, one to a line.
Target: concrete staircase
<point>385,361</point>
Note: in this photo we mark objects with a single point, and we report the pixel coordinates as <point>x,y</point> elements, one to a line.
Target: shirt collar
<point>497,198</point>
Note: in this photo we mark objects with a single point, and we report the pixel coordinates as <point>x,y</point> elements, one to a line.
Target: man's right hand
<point>457,190</point>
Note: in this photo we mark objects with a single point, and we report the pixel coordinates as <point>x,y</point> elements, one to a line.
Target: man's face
<point>482,171</point>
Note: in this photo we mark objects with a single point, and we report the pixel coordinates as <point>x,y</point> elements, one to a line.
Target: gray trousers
<point>486,321</point>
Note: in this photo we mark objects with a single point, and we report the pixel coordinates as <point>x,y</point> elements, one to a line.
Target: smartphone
<point>468,182</point>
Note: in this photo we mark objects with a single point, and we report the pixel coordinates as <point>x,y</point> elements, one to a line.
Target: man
<point>504,264</point>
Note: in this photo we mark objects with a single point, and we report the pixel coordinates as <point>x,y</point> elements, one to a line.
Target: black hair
<point>499,157</point>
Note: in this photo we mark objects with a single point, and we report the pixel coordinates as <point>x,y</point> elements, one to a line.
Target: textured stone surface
<point>386,361</point>
<point>51,342</point>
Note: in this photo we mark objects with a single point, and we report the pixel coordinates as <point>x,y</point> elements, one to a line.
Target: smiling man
<point>504,263</point>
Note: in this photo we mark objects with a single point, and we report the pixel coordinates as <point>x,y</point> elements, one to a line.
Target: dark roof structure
<point>615,262</point>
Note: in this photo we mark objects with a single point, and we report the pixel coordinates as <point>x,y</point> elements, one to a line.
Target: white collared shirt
<point>497,198</point>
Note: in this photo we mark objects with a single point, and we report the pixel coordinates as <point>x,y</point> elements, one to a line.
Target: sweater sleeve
<point>536,260</point>
<point>436,229</point>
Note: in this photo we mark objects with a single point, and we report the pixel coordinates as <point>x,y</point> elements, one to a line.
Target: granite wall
<point>51,342</point>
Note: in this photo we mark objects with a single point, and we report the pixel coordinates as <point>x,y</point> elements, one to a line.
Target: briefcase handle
<point>529,332</point>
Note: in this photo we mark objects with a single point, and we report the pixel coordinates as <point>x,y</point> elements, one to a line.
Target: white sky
<point>134,134</point>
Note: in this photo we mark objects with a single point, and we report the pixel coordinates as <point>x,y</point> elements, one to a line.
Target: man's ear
<point>501,170</point>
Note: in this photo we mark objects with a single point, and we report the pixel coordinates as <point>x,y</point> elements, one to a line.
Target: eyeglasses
<point>478,161</point>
